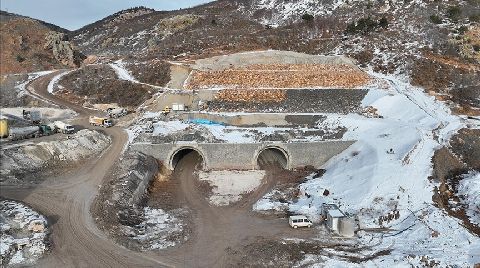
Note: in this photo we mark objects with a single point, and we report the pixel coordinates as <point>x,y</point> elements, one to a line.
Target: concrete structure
<point>337,221</point>
<point>241,156</point>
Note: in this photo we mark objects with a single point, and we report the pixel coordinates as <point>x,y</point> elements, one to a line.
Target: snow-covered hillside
<point>387,172</point>
<point>287,11</point>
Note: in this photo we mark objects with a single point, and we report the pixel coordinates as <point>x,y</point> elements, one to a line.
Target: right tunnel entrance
<point>272,156</point>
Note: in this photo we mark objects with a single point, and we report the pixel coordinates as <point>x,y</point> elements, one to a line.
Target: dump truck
<point>63,127</point>
<point>116,112</point>
<point>100,121</point>
<point>29,132</point>
<point>34,116</point>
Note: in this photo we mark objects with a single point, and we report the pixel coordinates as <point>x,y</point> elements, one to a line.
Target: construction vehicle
<point>29,132</point>
<point>116,112</point>
<point>166,110</point>
<point>63,127</point>
<point>34,116</point>
<point>3,128</point>
<point>100,121</point>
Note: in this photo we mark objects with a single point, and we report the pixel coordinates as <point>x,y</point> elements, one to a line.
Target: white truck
<point>63,127</point>
<point>116,112</point>
<point>100,121</point>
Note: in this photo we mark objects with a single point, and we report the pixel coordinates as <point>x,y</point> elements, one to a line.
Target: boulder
<point>63,51</point>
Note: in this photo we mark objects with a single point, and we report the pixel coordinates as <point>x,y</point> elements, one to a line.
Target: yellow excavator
<point>166,110</point>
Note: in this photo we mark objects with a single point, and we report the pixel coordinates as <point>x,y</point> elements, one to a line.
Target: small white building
<point>332,214</point>
<point>337,221</point>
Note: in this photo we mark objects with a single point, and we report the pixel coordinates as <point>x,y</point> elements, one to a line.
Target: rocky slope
<point>439,40</point>
<point>29,45</point>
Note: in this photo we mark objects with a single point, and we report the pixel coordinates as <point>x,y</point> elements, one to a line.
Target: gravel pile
<point>282,76</point>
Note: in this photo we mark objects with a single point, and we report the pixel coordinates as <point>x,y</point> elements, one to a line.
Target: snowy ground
<point>469,189</point>
<point>123,74</point>
<point>22,87</point>
<point>229,186</point>
<point>159,229</point>
<point>26,159</point>
<point>386,171</point>
<point>54,82</point>
<point>234,134</point>
<point>20,226</point>
<point>51,114</point>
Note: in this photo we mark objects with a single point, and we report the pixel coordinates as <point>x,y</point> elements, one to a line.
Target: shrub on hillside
<point>474,17</point>
<point>454,13</point>
<point>436,19</point>
<point>366,25</point>
<point>307,17</point>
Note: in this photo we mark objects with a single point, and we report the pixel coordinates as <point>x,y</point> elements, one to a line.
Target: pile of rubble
<point>28,163</point>
<point>281,76</point>
<point>23,234</point>
<point>251,95</point>
<point>120,208</point>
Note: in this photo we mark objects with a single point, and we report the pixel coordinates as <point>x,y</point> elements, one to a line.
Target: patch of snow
<point>267,204</point>
<point>51,114</point>
<point>229,186</point>
<point>121,71</point>
<point>56,79</point>
<point>159,229</point>
<point>469,190</point>
<point>123,74</point>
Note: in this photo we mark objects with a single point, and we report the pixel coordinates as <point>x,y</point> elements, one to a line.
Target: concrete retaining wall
<point>242,156</point>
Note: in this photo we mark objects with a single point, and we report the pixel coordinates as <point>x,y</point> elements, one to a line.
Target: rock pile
<point>282,76</point>
<point>63,51</point>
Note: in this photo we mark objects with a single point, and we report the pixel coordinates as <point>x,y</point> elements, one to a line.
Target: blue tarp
<point>204,122</point>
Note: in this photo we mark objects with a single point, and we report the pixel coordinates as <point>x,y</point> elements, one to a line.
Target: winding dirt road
<point>66,200</point>
<point>77,242</point>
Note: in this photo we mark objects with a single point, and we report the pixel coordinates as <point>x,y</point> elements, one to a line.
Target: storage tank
<point>3,128</point>
<point>23,132</point>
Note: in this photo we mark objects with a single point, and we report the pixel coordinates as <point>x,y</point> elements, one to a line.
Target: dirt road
<point>66,201</point>
<point>77,242</point>
<point>218,230</point>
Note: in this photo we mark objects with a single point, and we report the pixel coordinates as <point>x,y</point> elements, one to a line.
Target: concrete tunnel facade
<point>245,156</point>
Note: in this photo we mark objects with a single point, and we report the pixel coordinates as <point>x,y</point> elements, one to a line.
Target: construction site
<point>222,167</point>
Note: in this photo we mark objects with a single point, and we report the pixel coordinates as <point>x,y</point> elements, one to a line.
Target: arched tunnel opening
<point>188,155</point>
<point>272,157</point>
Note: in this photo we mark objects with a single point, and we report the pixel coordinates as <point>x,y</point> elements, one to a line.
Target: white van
<point>299,221</point>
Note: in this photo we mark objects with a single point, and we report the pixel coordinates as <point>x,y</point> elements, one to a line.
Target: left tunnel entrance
<point>187,153</point>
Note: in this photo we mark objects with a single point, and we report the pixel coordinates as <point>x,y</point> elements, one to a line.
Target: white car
<point>299,221</point>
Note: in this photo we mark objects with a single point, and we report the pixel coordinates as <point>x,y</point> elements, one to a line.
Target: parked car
<point>299,221</point>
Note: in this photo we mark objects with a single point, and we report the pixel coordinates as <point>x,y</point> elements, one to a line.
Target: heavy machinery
<point>116,112</point>
<point>63,127</point>
<point>100,121</point>
<point>34,116</point>
<point>29,132</point>
<point>166,110</point>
